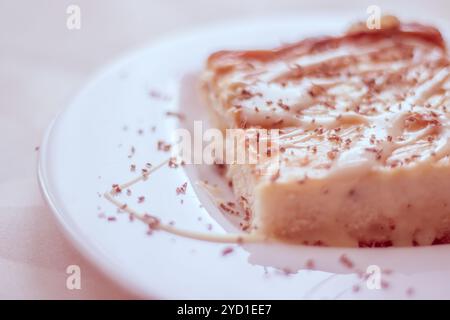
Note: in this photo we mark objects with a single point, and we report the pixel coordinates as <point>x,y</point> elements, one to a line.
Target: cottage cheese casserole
<point>364,135</point>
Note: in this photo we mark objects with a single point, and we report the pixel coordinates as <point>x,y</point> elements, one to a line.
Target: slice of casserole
<point>364,135</point>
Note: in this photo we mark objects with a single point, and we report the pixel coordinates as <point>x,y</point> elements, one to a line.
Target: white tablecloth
<point>43,65</point>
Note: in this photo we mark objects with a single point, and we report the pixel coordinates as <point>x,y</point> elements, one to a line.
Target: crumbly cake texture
<point>364,135</point>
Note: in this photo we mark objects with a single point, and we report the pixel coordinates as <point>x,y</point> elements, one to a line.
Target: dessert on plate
<point>364,149</point>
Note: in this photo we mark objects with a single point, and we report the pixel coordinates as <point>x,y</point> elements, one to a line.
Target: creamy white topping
<point>368,103</point>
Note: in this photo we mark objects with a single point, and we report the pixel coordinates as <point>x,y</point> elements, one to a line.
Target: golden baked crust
<point>245,87</point>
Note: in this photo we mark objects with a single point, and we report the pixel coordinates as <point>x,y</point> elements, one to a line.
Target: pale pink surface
<point>43,65</point>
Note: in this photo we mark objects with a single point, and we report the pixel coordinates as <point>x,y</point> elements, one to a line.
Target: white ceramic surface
<point>87,149</point>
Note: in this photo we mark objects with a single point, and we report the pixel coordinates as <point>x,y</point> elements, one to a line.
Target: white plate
<point>86,150</point>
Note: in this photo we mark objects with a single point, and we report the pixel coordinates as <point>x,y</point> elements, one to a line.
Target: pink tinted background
<point>43,65</point>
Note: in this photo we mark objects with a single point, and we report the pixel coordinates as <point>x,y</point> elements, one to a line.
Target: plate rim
<point>91,253</point>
